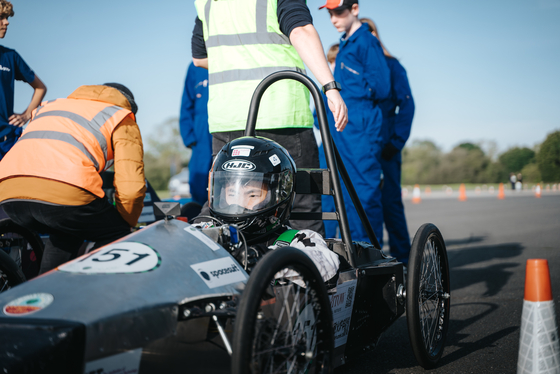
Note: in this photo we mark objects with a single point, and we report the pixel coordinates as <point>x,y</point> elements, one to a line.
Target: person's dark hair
<point>126,93</point>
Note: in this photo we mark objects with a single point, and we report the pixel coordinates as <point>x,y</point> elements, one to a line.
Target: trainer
<point>50,180</point>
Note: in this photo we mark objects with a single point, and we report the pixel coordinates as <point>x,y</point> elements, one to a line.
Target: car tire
<point>280,325</point>
<point>428,295</point>
<point>10,273</point>
<point>30,243</point>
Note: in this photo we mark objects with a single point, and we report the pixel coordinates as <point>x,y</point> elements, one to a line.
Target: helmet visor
<point>242,193</point>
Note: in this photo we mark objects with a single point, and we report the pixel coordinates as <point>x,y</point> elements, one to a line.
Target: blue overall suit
<point>398,111</point>
<point>193,124</point>
<point>362,71</point>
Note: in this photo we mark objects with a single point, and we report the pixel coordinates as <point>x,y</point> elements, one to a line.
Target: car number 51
<point>122,257</point>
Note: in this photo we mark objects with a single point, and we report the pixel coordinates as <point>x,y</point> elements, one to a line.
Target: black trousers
<point>69,226</point>
<point>302,146</point>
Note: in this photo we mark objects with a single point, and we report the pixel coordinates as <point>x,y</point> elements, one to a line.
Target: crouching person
<point>252,185</point>
<point>50,180</point>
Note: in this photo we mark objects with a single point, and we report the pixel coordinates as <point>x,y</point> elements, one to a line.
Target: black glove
<point>249,260</point>
<point>389,151</point>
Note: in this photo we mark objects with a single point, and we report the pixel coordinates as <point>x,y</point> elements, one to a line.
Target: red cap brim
<point>332,4</point>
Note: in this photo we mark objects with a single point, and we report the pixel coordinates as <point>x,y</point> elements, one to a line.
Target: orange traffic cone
<point>428,190</point>
<point>462,192</point>
<point>539,349</point>
<point>538,191</point>
<point>501,192</point>
<point>416,195</point>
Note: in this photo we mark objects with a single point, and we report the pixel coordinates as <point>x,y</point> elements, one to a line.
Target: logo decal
<point>220,272</point>
<point>274,160</point>
<point>238,165</point>
<point>28,304</point>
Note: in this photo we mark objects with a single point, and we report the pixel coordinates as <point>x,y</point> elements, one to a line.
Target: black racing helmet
<point>252,184</point>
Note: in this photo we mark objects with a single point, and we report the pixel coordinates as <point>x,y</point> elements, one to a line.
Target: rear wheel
<point>428,295</point>
<point>284,319</point>
<point>23,246</point>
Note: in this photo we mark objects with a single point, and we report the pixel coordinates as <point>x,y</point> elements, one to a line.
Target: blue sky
<point>479,70</point>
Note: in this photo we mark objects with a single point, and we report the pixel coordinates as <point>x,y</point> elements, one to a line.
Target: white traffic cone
<point>539,349</point>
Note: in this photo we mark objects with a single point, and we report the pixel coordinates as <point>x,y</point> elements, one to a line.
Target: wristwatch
<point>334,85</point>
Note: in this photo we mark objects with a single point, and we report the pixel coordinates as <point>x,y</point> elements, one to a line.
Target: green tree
<point>515,159</point>
<point>164,153</point>
<point>548,158</point>
<point>420,159</point>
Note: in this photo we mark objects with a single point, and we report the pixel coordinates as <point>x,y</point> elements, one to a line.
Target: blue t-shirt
<point>12,68</point>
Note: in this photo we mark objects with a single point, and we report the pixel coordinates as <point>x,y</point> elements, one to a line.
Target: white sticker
<point>122,363</point>
<point>28,304</point>
<point>117,258</point>
<point>274,160</point>
<point>220,272</point>
<point>202,237</point>
<point>241,152</point>
<point>341,304</point>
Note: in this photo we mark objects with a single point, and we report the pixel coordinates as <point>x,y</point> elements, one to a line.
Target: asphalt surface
<point>488,242</point>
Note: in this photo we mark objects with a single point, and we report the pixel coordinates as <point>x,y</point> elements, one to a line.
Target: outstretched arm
<point>307,43</point>
<point>38,94</point>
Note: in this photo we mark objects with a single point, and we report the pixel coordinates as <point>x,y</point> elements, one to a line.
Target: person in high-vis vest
<point>50,180</point>
<point>241,42</point>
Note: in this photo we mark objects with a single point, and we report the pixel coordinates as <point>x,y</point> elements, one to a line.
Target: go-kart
<point>171,298</point>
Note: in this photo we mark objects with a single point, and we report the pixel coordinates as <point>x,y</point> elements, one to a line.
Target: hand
<point>338,108</point>
<point>19,119</point>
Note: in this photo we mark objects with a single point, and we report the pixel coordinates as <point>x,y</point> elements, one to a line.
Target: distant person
<point>512,180</point>
<point>362,71</point>
<point>241,45</point>
<point>50,181</point>
<point>398,112</point>
<point>12,68</point>
<point>193,124</point>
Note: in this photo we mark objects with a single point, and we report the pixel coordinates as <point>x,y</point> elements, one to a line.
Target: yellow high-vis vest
<point>244,45</point>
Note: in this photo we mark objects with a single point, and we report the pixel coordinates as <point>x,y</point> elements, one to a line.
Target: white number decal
<point>123,257</point>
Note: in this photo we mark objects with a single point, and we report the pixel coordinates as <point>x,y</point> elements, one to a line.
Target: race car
<point>172,298</point>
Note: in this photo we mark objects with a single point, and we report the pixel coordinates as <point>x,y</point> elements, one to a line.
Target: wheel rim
<point>286,338</point>
<point>432,297</point>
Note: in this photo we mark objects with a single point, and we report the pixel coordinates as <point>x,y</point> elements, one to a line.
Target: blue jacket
<point>398,108</point>
<point>361,68</point>
<point>193,121</point>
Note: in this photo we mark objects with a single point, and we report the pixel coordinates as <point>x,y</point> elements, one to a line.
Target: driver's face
<point>247,195</point>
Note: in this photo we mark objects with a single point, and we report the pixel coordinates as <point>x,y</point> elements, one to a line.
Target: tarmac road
<point>488,242</point>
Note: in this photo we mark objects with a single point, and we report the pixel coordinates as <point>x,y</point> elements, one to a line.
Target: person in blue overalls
<point>193,124</point>
<point>12,68</point>
<point>364,76</point>
<point>398,111</point>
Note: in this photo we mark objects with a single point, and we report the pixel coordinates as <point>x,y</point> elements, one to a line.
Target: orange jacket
<point>72,140</point>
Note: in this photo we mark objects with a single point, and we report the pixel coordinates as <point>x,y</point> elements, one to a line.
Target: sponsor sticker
<point>117,258</point>
<point>220,272</point>
<point>202,237</point>
<point>241,152</point>
<point>28,304</point>
<point>341,304</point>
<point>122,363</point>
<point>238,165</point>
<point>274,160</point>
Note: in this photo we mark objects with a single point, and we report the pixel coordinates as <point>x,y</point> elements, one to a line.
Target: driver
<point>252,186</point>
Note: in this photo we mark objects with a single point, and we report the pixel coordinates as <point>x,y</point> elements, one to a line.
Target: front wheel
<point>428,295</point>
<point>23,245</point>
<point>284,320</point>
